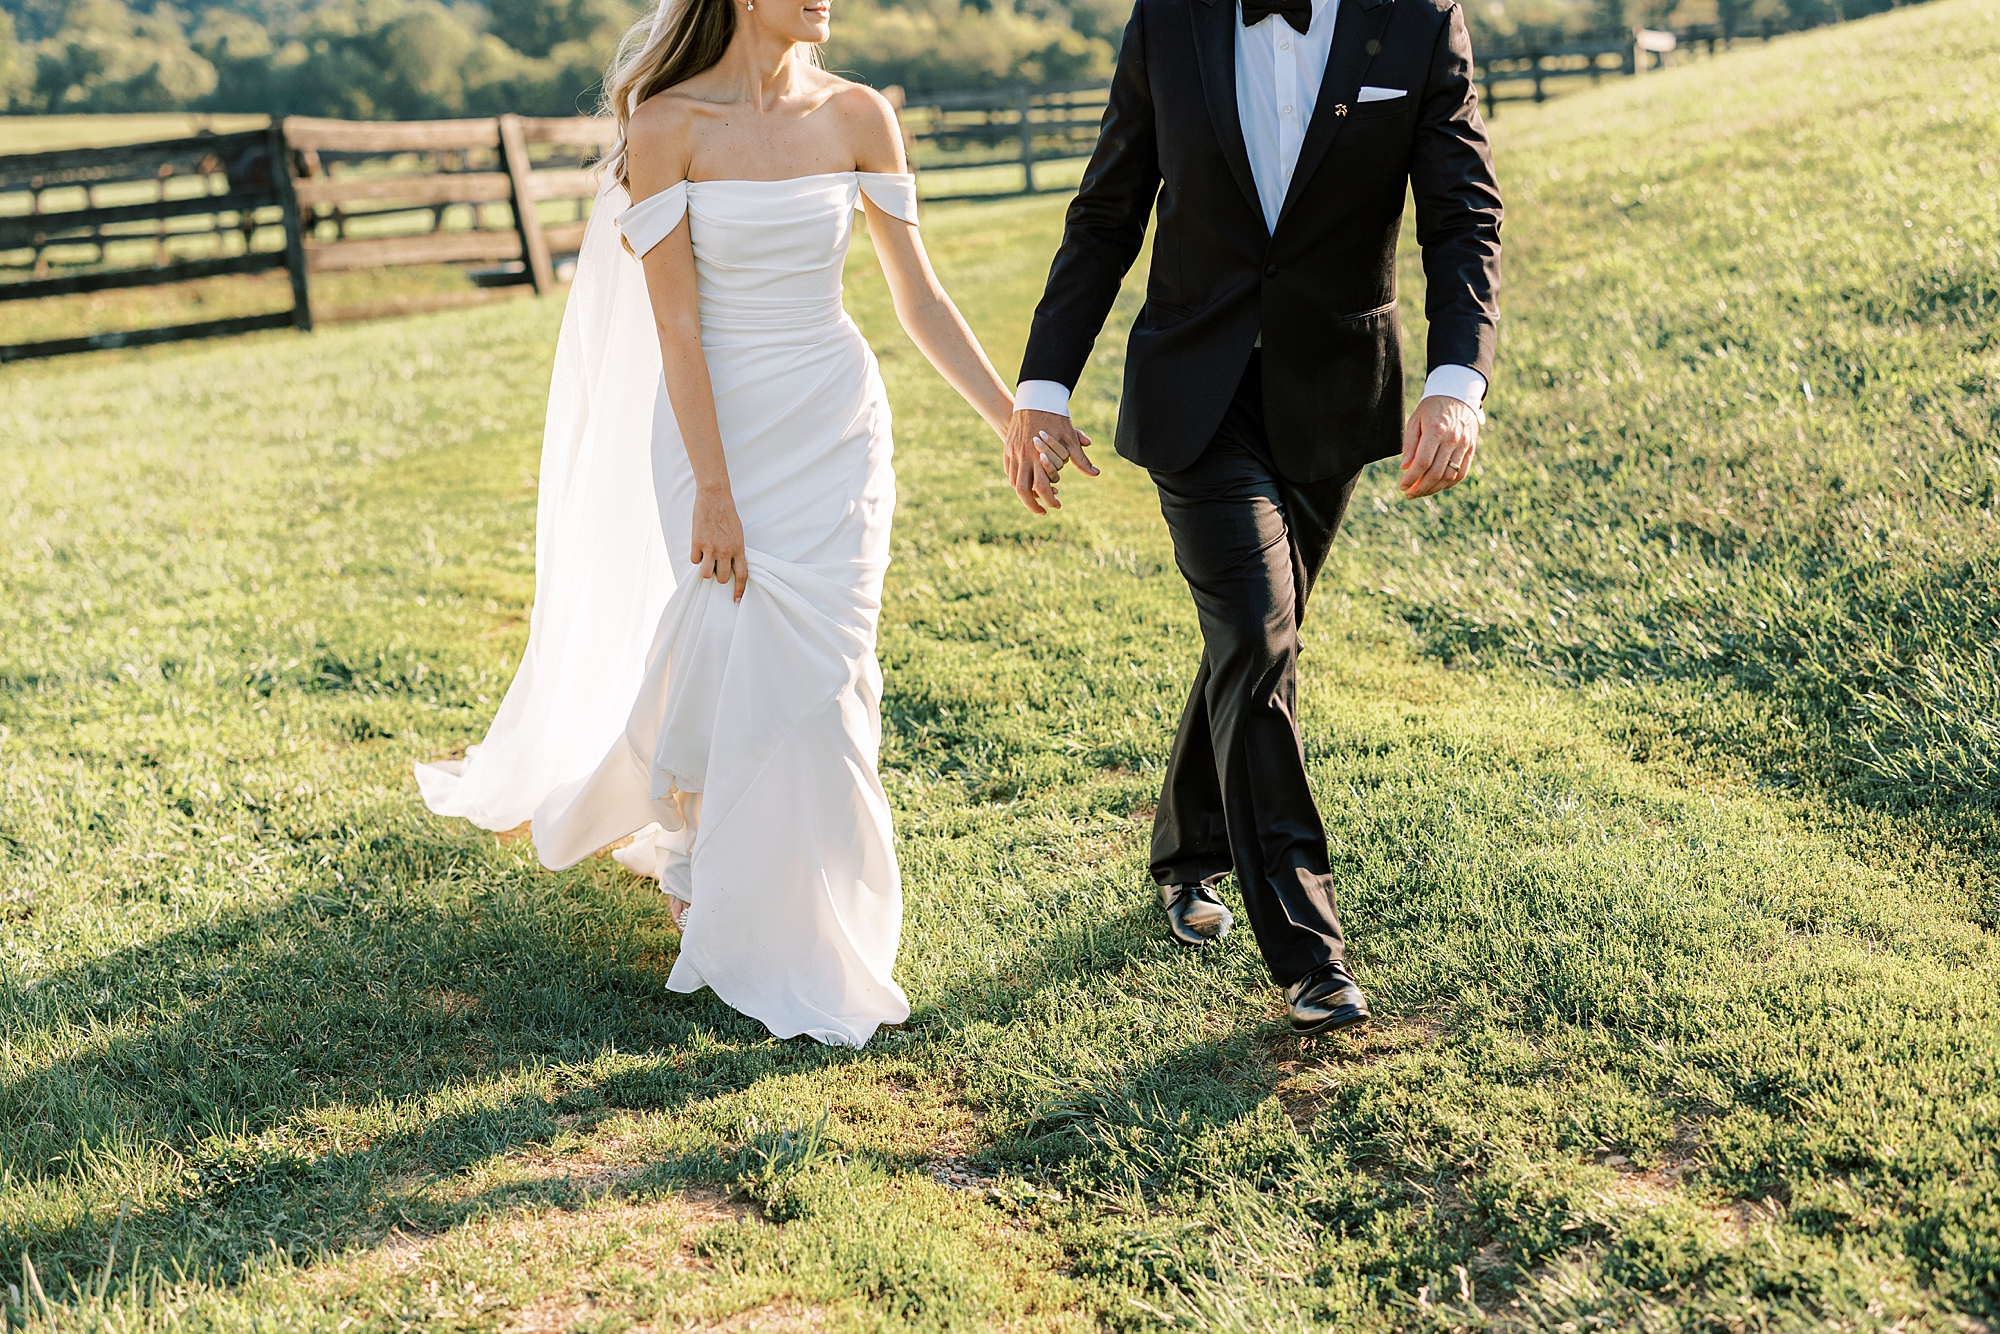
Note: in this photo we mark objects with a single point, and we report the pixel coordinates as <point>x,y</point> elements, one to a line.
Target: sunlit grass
<point>1687,1016</point>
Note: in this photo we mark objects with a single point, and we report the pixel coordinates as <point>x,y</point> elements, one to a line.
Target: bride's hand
<point>718,540</point>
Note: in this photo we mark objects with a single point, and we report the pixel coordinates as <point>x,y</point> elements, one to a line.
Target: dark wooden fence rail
<point>149,205</point>
<point>307,196</point>
<point>1521,70</point>
<point>380,193</point>
<point>1018,128</point>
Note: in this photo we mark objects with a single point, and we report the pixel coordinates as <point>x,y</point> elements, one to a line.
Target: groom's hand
<point>1038,445</point>
<point>1438,446</point>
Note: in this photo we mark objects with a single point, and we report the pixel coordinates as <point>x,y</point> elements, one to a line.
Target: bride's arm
<point>934,323</point>
<point>927,314</point>
<point>657,158</point>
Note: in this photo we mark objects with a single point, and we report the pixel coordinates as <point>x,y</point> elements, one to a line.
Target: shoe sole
<point>1222,919</point>
<point>1200,938</point>
<point>1330,1025</point>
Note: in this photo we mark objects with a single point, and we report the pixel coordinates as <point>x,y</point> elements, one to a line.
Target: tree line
<point>421,59</point>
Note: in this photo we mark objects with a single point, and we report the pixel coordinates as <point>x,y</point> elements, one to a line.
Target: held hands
<point>718,552</point>
<point>1038,445</point>
<point>1438,446</point>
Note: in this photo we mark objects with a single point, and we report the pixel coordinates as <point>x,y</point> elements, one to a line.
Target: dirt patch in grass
<point>658,1237</point>
<point>772,1318</point>
<point>590,1168</point>
<point>586,1258</point>
<point>451,1004</point>
<point>1652,1187</point>
<point>1310,1070</point>
<point>958,1174</point>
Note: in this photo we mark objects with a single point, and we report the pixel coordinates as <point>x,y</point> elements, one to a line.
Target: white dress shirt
<point>1278,75</point>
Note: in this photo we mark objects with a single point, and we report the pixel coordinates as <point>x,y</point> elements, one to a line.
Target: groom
<point>1275,139</point>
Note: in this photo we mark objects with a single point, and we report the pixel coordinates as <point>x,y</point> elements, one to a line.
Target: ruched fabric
<point>895,193</point>
<point>745,774</point>
<point>653,219</point>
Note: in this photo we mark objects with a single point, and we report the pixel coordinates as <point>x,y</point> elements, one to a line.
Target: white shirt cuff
<point>1463,383</point>
<point>1043,396</point>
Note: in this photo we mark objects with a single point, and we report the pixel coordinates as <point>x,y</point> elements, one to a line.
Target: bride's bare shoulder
<point>659,138</point>
<point>666,116</point>
<point>869,123</point>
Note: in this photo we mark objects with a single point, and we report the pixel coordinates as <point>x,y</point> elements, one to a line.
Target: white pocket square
<point>1382,94</point>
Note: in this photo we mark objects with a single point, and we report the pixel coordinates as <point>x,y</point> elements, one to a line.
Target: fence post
<point>1027,145</point>
<point>295,228</point>
<point>527,219</point>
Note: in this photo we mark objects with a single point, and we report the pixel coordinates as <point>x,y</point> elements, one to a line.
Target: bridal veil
<point>602,570</point>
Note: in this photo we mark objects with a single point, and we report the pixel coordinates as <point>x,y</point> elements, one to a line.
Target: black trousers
<point>1250,543</point>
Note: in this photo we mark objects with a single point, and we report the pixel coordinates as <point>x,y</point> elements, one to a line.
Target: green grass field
<point>1659,762</point>
<point>41,134</point>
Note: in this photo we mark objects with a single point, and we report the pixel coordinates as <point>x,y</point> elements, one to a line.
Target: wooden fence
<point>322,196</point>
<point>172,212</point>
<point>953,135</point>
<point>380,193</point>
<point>306,196</point>
<point>1521,71</point>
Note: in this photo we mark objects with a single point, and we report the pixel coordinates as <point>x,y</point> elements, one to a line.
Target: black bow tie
<point>1298,13</point>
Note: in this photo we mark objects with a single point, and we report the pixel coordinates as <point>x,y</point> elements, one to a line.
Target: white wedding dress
<point>735,744</point>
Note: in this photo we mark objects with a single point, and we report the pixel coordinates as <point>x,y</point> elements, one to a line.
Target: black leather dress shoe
<point>1325,1000</point>
<point>1194,914</point>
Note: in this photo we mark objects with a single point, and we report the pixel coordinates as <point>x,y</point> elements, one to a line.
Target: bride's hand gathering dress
<point>736,742</point>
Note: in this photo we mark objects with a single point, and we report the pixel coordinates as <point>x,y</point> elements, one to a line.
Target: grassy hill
<point>1658,760</point>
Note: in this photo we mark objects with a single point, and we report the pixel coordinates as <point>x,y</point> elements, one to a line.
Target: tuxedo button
<point>1270,270</point>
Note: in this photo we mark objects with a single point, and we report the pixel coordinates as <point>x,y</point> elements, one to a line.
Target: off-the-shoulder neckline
<point>788,180</point>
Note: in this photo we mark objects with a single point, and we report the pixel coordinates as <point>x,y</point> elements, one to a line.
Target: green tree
<point>423,58</point>
<point>104,58</point>
<point>933,44</point>
<point>13,64</point>
<point>537,27</point>
<point>226,35</point>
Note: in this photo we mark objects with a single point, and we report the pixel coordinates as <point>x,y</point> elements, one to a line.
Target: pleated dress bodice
<point>768,254</point>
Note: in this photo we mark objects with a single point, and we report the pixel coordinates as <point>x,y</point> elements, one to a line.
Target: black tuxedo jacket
<point>1322,287</point>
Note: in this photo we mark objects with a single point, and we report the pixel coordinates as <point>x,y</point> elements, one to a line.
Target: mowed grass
<point>1686,991</point>
<point>42,134</point>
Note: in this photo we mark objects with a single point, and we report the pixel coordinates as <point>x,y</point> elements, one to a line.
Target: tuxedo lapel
<point>1215,48</point>
<point>1356,30</point>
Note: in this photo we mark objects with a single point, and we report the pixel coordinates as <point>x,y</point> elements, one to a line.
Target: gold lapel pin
<point>1340,109</point>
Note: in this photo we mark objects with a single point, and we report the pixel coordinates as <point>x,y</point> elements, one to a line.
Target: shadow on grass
<point>298,1076</point>
<point>254,1053</point>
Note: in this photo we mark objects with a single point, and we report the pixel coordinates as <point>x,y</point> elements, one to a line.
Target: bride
<point>712,397</point>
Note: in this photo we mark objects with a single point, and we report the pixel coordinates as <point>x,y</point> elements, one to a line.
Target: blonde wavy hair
<point>678,40</point>
<point>671,45</point>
